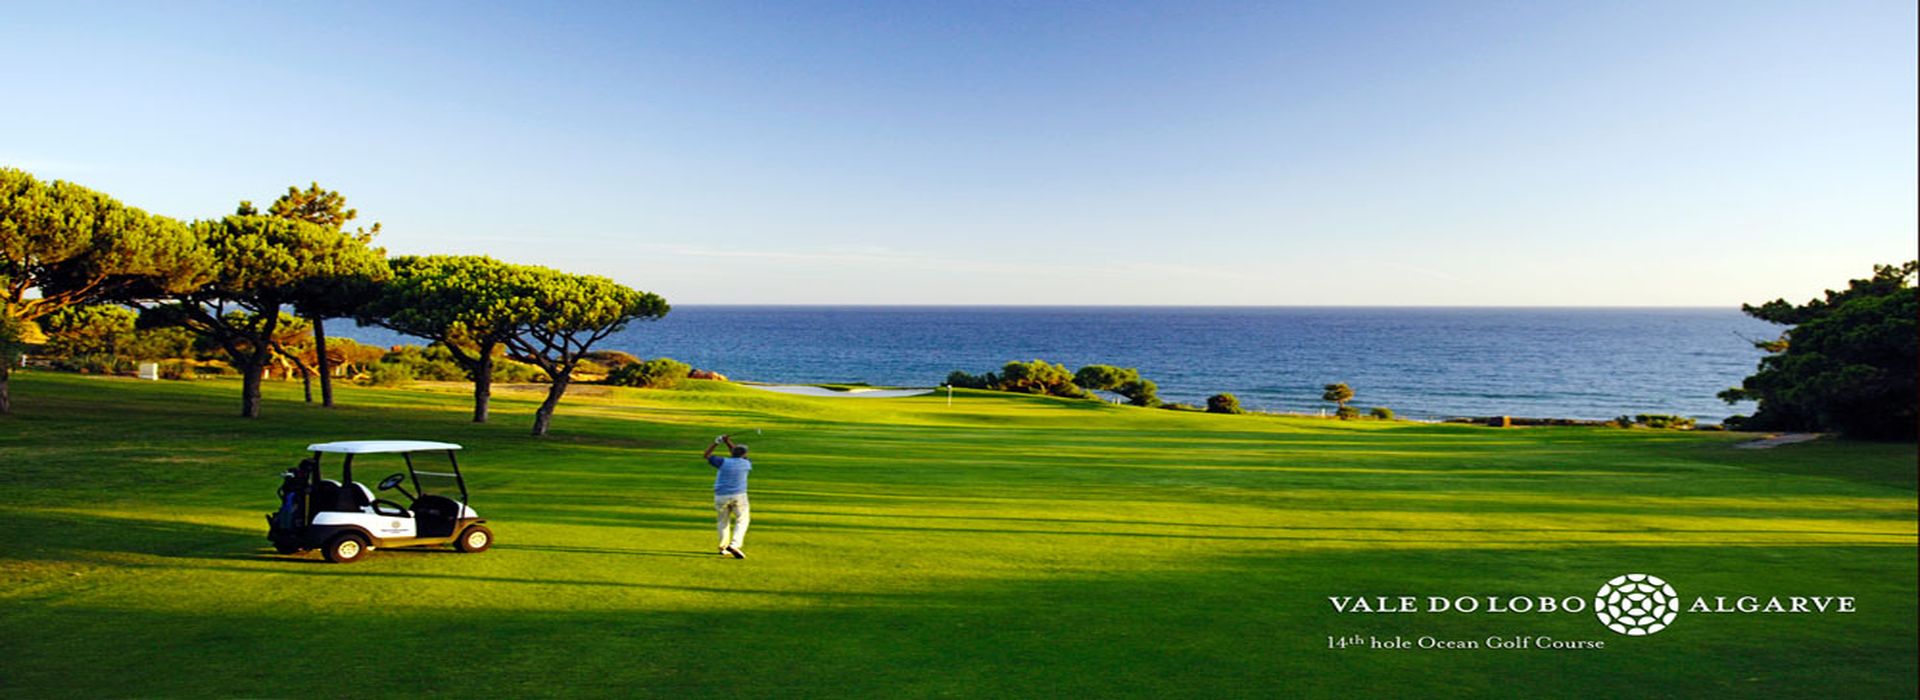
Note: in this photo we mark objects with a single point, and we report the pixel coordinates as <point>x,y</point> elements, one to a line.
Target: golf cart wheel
<point>288,548</point>
<point>474,539</point>
<point>346,549</point>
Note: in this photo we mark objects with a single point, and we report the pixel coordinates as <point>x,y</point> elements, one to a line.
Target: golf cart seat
<point>330,495</point>
<point>361,496</point>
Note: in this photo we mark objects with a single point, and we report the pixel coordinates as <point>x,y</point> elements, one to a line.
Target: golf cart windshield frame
<point>414,474</point>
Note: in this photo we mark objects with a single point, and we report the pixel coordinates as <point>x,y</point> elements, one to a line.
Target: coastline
<point>1430,363</point>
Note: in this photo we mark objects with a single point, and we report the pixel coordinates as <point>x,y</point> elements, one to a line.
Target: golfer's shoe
<point>735,552</point>
<point>723,551</point>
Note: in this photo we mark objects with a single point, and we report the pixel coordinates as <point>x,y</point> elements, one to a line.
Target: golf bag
<point>294,486</point>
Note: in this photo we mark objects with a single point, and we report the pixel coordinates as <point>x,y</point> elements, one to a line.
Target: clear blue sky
<point>1427,153</point>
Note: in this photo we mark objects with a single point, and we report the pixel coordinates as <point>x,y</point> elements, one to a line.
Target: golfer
<point>730,494</point>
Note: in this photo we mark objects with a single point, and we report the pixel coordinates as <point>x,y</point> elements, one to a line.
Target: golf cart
<point>343,519</point>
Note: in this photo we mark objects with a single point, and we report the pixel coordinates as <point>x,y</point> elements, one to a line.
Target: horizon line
<point>1203,306</point>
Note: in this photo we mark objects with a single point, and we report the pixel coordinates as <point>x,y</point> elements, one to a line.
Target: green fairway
<point>1006,546</point>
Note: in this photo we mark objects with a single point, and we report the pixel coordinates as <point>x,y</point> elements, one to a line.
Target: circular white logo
<point>1636,604</point>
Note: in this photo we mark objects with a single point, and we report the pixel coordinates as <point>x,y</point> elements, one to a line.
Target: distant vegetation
<point>436,362</point>
<point>1051,379</point>
<point>254,290</point>
<point>1224,403</point>
<point>1125,381</point>
<point>104,339</point>
<point>1847,363</point>
<point>657,373</point>
<point>1033,377</point>
<point>1655,421</point>
<point>1043,377</point>
<point>480,309</point>
<point>1339,394</point>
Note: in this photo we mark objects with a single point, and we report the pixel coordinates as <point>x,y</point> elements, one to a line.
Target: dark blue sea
<point>1421,362</point>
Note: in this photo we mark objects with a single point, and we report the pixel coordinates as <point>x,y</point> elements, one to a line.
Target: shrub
<point>1381,412</point>
<point>176,369</point>
<point>611,359</point>
<point>1124,381</point>
<point>1224,403</point>
<point>1104,377</point>
<point>389,374</point>
<point>1140,392</point>
<point>1346,413</point>
<point>517,372</point>
<point>163,343</point>
<point>433,363</point>
<point>657,373</point>
<point>352,357</point>
<point>961,380</point>
<point>79,331</point>
<point>1046,378</point>
<point>1662,421</point>
<point>92,363</point>
<point>1177,406</point>
<point>1038,377</point>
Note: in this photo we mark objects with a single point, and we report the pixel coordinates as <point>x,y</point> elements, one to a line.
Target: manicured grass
<point>1004,547</point>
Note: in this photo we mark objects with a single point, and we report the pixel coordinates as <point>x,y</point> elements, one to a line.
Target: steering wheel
<point>381,506</point>
<point>394,481</point>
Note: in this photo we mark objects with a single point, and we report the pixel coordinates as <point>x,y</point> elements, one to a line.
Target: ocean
<point>1583,363</point>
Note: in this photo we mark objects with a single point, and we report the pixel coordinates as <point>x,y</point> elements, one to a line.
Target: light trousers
<point>734,516</point>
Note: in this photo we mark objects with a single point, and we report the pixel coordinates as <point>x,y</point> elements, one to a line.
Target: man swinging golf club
<point>730,494</point>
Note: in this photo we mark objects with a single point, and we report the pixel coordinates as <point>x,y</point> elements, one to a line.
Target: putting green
<point>1007,546</point>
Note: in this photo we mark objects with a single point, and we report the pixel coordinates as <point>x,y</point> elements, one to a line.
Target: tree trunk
<point>6,381</point>
<point>250,390</point>
<point>306,384</point>
<point>483,388</point>
<point>545,415</point>
<point>324,364</point>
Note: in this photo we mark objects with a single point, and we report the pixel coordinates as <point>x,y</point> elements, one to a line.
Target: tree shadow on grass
<point>214,564</point>
<point>1390,537</point>
<point>908,521</point>
<point>615,441</point>
<point>564,549</point>
<point>1241,626</point>
<point>808,518</point>
<point>68,536</point>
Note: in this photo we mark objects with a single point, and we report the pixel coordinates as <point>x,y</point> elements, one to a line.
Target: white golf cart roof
<point>361,447</point>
